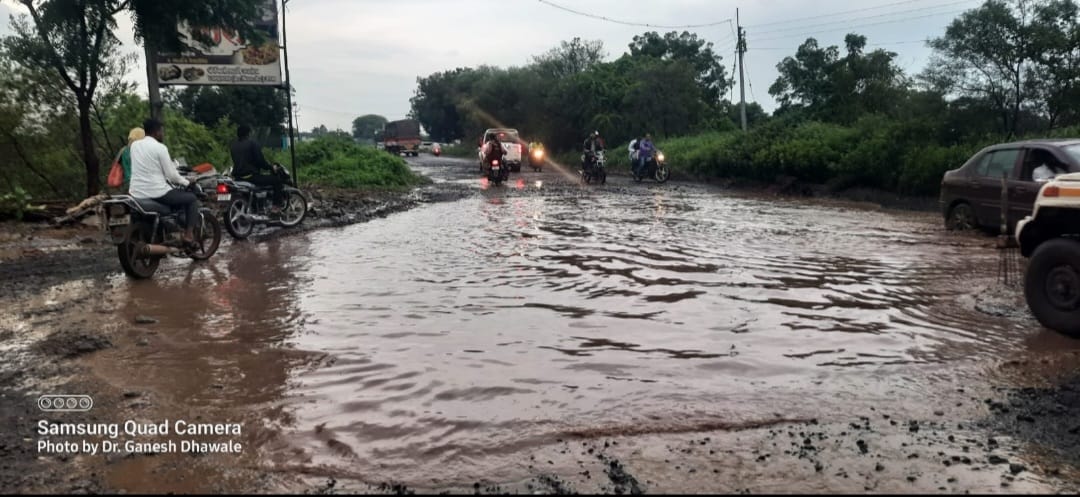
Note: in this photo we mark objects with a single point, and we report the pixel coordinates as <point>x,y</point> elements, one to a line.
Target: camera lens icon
<point>65,403</point>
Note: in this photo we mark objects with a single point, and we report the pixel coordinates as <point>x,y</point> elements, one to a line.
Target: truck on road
<point>402,137</point>
<point>1050,239</point>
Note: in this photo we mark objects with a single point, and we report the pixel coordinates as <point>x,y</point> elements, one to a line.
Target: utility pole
<point>288,90</point>
<point>741,44</point>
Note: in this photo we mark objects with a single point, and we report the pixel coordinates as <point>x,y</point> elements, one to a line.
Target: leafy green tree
<point>1054,81</point>
<point>255,106</point>
<point>687,47</point>
<point>76,39</point>
<point>985,53</point>
<point>366,127</point>
<point>835,88</point>
<point>569,58</point>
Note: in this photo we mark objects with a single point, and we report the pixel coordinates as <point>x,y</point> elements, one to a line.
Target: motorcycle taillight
<point>222,188</point>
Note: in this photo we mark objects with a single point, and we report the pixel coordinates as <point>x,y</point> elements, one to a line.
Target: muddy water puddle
<point>449,339</point>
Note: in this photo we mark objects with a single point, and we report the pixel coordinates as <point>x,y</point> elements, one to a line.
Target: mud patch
<point>72,343</point>
<point>1047,419</point>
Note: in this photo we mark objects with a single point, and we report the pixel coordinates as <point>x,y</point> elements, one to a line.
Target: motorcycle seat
<point>153,206</point>
<point>247,185</point>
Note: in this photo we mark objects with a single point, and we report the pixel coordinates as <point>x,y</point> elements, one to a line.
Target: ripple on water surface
<point>466,330</point>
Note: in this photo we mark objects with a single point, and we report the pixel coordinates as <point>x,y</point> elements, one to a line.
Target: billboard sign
<point>228,59</point>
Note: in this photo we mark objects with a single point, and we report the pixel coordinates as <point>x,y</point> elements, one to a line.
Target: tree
<point>365,127</point>
<point>838,89</point>
<point>686,46</point>
<point>985,53</point>
<point>569,58</point>
<point>255,106</point>
<point>1055,78</point>
<point>75,39</point>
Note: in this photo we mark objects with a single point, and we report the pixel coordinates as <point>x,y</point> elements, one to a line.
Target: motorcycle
<point>496,171</point>
<point>249,205</point>
<point>593,168</point>
<point>536,159</point>
<point>145,231</point>
<point>655,168</point>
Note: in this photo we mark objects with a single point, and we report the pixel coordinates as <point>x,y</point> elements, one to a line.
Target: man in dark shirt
<point>250,165</point>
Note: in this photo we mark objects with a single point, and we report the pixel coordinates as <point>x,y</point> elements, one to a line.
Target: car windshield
<point>1073,151</point>
<point>506,136</point>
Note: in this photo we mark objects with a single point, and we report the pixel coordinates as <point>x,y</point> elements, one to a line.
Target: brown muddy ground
<point>542,337</point>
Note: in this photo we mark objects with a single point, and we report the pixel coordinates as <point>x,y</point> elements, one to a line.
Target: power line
<point>627,23</point>
<point>894,21</point>
<point>906,2</point>
<point>854,19</point>
<point>888,43</point>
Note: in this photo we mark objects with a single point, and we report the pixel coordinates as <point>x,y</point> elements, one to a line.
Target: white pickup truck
<point>1050,238</point>
<point>512,147</point>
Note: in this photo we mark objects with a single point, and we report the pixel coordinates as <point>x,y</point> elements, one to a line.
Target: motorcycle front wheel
<point>136,236</point>
<point>238,220</point>
<point>295,210</point>
<point>662,174</point>
<point>207,237</point>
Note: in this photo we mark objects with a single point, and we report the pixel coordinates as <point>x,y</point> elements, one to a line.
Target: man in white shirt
<point>1045,172</point>
<point>153,174</point>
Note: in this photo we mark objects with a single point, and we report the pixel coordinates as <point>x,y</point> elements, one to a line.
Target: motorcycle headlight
<point>660,157</point>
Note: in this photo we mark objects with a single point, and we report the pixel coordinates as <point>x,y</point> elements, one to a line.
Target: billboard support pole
<point>288,90</point>
<point>156,105</point>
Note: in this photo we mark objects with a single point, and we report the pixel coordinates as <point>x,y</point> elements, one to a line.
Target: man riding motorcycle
<point>153,174</point>
<point>645,151</point>
<point>493,150</point>
<point>250,165</point>
<point>592,145</point>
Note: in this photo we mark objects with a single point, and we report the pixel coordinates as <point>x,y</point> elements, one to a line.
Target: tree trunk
<point>90,158</point>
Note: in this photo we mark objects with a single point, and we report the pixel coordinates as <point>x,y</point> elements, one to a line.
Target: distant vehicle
<point>1050,237</point>
<point>537,156</point>
<point>512,144</point>
<point>402,137</point>
<point>436,150</point>
<point>425,146</point>
<point>971,195</point>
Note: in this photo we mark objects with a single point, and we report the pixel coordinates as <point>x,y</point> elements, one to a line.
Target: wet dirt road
<point>543,336</point>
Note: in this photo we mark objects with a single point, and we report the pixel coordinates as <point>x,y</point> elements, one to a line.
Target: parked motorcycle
<point>594,169</point>
<point>496,171</point>
<point>249,205</point>
<point>145,231</point>
<point>656,168</point>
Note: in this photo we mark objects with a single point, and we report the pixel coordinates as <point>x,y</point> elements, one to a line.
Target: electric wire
<point>628,23</point>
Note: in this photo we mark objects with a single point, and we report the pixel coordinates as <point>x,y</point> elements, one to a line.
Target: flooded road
<point>452,342</point>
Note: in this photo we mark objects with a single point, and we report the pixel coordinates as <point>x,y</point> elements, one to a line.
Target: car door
<point>987,194</point>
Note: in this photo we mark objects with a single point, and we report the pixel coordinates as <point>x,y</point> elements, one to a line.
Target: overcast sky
<point>354,57</point>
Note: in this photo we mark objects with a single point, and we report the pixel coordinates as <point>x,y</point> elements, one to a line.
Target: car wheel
<point>1052,286</point>
<point>961,218</point>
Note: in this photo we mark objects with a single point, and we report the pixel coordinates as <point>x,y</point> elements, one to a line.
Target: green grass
<point>336,163</point>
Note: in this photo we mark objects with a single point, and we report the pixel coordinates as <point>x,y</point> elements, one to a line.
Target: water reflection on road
<point>461,332</point>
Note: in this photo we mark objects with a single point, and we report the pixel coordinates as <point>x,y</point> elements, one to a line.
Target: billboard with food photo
<point>228,59</point>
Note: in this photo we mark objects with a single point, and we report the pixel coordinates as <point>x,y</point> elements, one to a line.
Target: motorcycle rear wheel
<point>237,219</point>
<point>135,237</point>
